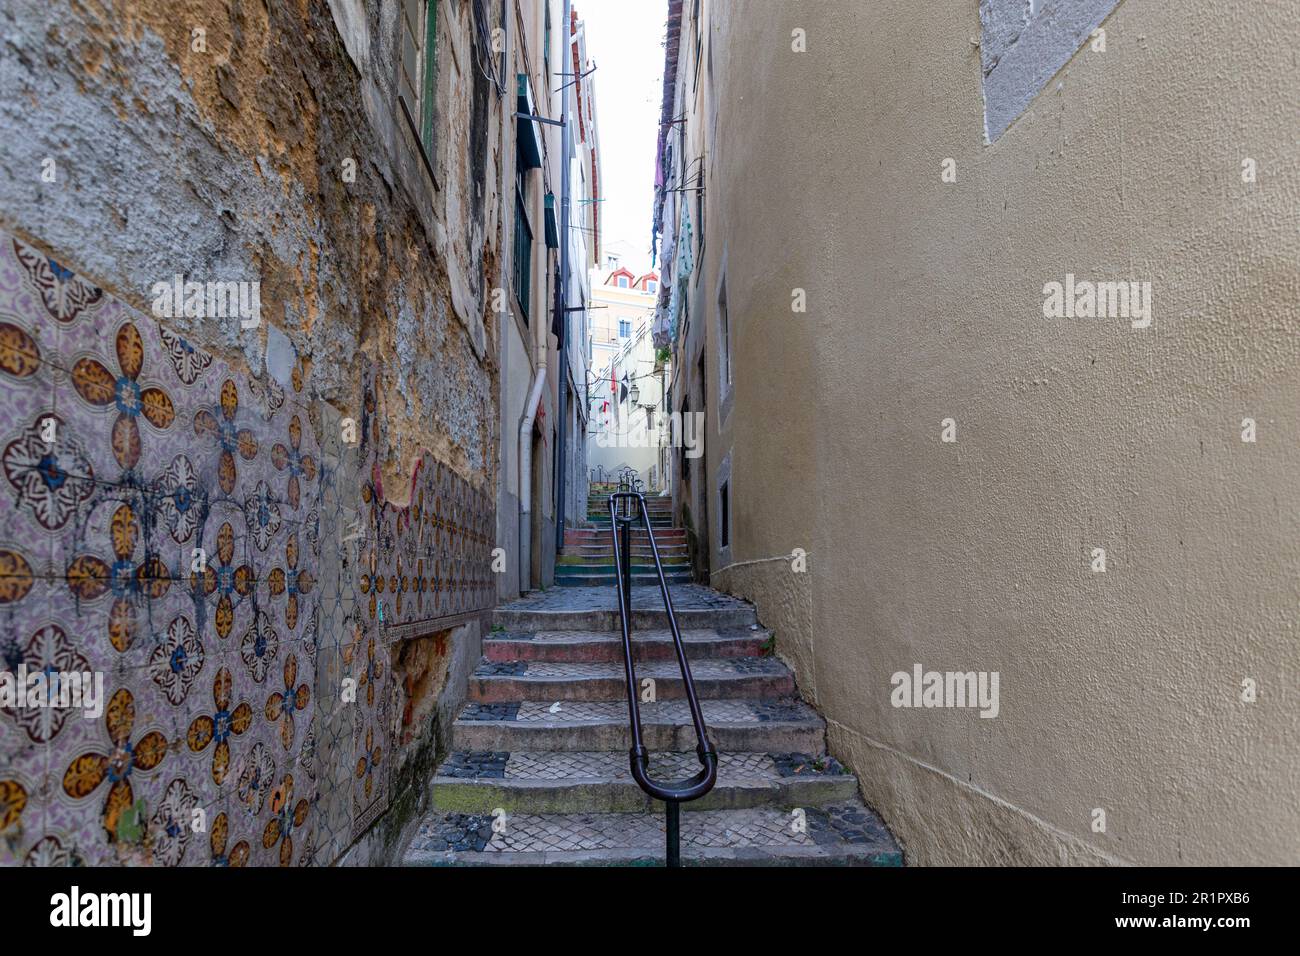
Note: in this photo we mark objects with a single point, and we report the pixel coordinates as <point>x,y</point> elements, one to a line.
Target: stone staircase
<point>587,558</point>
<point>539,772</point>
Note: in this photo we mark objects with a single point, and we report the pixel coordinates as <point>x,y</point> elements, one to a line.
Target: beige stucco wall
<point>1119,690</point>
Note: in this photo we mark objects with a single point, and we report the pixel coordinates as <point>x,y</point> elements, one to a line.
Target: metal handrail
<point>673,794</point>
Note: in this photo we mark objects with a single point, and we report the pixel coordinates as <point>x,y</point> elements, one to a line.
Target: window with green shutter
<point>418,74</point>
<point>523,252</point>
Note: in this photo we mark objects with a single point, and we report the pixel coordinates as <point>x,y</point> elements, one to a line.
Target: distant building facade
<point>627,384</point>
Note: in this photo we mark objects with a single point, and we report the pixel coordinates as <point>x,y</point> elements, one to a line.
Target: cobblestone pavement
<point>731,829</point>
<point>665,711</point>
<point>642,634</point>
<point>659,670</point>
<point>613,765</point>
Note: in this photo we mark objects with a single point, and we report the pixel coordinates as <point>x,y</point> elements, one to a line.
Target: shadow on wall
<point>695,551</point>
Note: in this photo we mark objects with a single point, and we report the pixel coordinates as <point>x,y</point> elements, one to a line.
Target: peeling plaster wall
<point>1121,690</point>
<point>228,164</point>
<point>1024,43</point>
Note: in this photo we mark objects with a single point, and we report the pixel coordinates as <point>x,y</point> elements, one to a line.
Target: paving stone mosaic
<point>704,829</point>
<point>805,765</point>
<point>643,634</point>
<point>663,711</point>
<point>686,597</point>
<point>476,712</point>
<point>208,542</point>
<point>660,670</point>
<point>613,765</point>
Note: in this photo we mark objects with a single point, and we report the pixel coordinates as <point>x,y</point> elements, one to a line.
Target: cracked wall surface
<point>334,463</point>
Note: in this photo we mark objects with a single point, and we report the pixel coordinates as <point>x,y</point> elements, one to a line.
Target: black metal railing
<point>625,508</point>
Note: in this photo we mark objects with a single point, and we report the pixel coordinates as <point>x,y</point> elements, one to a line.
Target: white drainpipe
<point>526,476</point>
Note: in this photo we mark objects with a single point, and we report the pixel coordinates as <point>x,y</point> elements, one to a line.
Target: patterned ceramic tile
<point>208,543</point>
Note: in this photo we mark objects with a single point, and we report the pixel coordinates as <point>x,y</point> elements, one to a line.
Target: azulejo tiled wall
<point>210,544</point>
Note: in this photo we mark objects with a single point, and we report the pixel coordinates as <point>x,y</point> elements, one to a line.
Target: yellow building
<point>991,310</point>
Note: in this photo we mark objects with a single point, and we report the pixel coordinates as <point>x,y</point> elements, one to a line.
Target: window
<point>523,252</point>
<point>651,285</point>
<point>418,70</point>
<point>622,282</point>
<point>546,46</point>
<point>699,214</point>
<point>724,514</point>
<point>624,328</point>
<point>695,28</point>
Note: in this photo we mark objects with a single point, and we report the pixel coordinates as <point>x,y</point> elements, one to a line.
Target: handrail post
<point>626,583</point>
<point>673,828</point>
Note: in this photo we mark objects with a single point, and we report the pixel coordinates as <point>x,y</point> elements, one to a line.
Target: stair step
<point>603,514</point>
<point>590,569</point>
<point>638,560</point>
<point>601,506</point>
<point>607,579</point>
<point>610,581</point>
<point>651,501</point>
<point>607,559</point>
<point>846,834</point>
<point>597,523</point>
<point>596,609</point>
<point>607,646</point>
<point>590,537</point>
<point>641,550</point>
<point>539,772</point>
<point>637,532</point>
<point>601,782</point>
<point>769,726</point>
<point>720,678</point>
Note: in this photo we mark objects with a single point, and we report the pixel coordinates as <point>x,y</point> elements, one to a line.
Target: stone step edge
<point>671,573</point>
<point>600,558</point>
<point>769,831</point>
<point>512,688</point>
<point>608,794</point>
<point>584,636</point>
<point>638,570</point>
<point>587,582</point>
<point>837,856</point>
<point>601,646</point>
<point>608,620</point>
<point>809,721</point>
<point>767,736</point>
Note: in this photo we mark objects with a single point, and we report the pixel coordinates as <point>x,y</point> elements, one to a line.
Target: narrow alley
<point>445,438</point>
<point>539,770</point>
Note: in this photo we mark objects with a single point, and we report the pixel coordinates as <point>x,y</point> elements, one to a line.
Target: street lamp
<point>634,393</point>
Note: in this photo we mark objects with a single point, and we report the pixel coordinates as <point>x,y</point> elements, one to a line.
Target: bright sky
<point>625,42</point>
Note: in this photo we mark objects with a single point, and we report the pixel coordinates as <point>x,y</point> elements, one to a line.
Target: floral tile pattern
<point>208,543</point>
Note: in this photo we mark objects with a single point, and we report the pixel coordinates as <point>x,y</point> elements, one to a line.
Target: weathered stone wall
<point>333,463</point>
